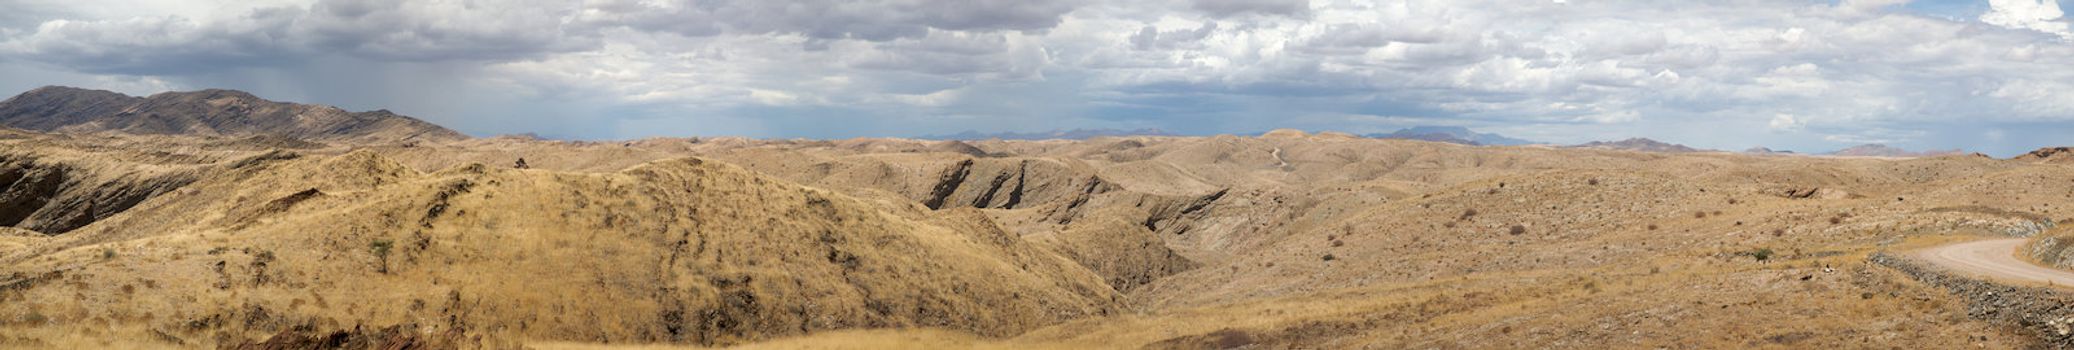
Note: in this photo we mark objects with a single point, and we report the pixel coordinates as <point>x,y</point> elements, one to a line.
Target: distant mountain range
<point>1766,150</point>
<point>227,113</point>
<point>1879,150</point>
<point>1451,134</point>
<point>1075,134</point>
<point>1639,145</point>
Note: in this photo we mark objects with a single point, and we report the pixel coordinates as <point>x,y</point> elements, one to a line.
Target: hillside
<point>670,251</point>
<point>221,113</point>
<point>1286,240</point>
<point>2055,155</point>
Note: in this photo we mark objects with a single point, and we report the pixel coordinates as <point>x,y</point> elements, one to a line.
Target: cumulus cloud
<point>878,20</point>
<point>1223,8</point>
<point>2039,15</point>
<point>1819,72</point>
<point>383,29</point>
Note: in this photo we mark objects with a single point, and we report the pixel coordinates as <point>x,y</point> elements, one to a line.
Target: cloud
<point>2040,15</point>
<point>1226,8</point>
<point>1768,70</point>
<point>879,20</point>
<point>383,29</point>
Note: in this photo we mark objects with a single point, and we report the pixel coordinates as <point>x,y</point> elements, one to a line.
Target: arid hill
<point>2056,155</point>
<point>224,113</point>
<point>1286,240</point>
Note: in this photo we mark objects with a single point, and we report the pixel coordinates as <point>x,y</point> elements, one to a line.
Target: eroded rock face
<point>54,198</point>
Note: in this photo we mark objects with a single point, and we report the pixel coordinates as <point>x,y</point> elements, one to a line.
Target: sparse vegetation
<point>1760,254</point>
<point>1047,266</point>
<point>380,249</point>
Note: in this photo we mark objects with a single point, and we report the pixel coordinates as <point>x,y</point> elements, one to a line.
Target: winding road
<point>1995,259</point>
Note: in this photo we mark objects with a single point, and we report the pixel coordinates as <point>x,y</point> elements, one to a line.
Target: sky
<point>1991,76</point>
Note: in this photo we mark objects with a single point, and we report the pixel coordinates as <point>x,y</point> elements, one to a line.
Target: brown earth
<point>1289,240</point>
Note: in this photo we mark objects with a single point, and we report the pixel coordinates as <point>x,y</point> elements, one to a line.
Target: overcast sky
<point>1984,75</point>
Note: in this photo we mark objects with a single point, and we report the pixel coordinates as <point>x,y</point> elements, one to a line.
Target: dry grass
<point>1116,243</point>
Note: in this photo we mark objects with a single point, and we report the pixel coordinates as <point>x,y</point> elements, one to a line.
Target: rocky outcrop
<point>994,183</point>
<point>54,196</point>
<point>2057,155</point>
<point>2046,315</point>
<point>1813,193</point>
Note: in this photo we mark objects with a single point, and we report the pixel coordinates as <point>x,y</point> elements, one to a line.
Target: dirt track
<point>1994,258</point>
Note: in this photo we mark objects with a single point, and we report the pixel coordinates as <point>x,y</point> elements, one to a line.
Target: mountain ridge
<point>1639,144</point>
<point>1882,150</point>
<point>1451,134</point>
<point>1055,134</point>
<point>208,112</point>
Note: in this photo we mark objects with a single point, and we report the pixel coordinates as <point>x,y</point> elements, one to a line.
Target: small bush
<point>1699,215</point>
<point>1517,230</point>
<point>1652,227</point>
<point>1761,254</point>
<point>107,253</point>
<point>1836,220</point>
<point>1467,213</point>
<point>1329,257</point>
<point>1336,244</point>
<point>1593,182</point>
<point>380,249</point>
<point>1449,224</point>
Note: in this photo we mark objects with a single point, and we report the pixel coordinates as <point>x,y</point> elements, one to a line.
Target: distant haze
<point>1811,76</point>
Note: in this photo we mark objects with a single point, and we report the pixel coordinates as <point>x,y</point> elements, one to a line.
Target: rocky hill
<point>2055,155</point>
<point>1638,145</point>
<point>221,113</point>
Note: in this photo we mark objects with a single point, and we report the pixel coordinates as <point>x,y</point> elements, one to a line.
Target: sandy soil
<point>1995,258</point>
